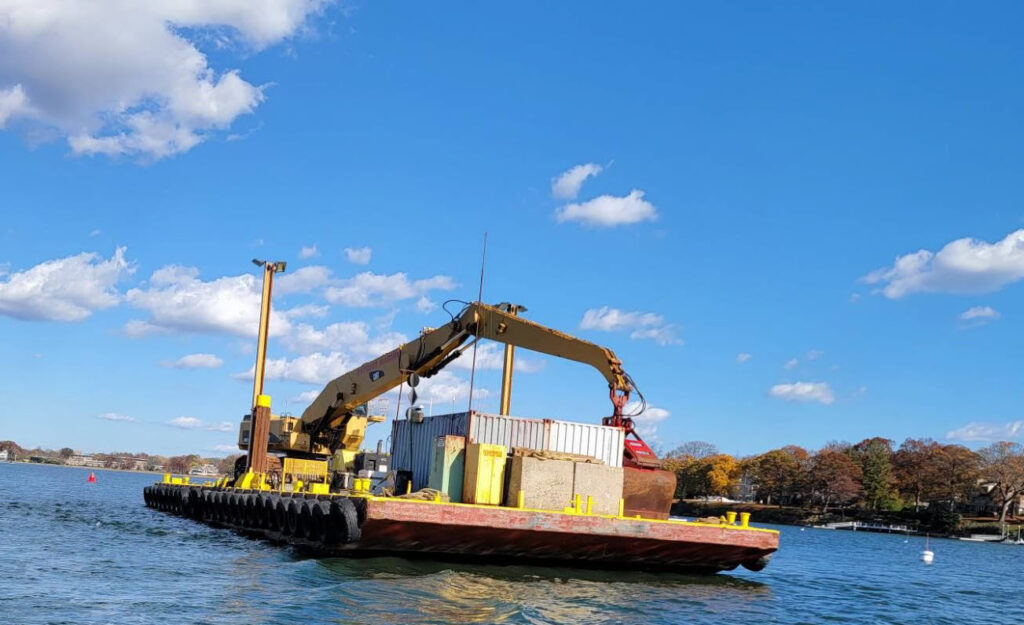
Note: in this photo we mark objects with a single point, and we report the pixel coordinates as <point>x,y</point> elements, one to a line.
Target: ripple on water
<point>142,566</point>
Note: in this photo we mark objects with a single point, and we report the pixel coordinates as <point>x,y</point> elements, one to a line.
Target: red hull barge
<point>514,535</point>
<point>368,526</point>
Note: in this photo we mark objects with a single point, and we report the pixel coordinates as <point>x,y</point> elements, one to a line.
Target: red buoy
<point>92,478</point>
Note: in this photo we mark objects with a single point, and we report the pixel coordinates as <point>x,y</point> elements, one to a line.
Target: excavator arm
<point>435,348</point>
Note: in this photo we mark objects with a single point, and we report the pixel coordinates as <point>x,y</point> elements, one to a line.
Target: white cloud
<point>987,432</point>
<point>791,364</point>
<point>642,325</point>
<point>743,357</point>
<point>609,210</point>
<point>196,361</point>
<point>65,289</point>
<point>359,255</point>
<point>95,233</point>
<point>13,102</point>
<point>814,354</point>
<point>567,186</point>
<point>113,416</point>
<point>327,353</point>
<point>315,368</point>
<point>306,339</point>
<point>804,391</point>
<point>962,266</point>
<point>424,304</point>
<point>305,398</point>
<point>979,315</point>
<point>445,385</point>
<point>227,448</point>
<point>192,423</point>
<point>178,301</point>
<point>306,310</point>
<point>127,78</point>
<point>370,289</point>
<point>302,280</point>
<point>309,252</point>
<point>648,421</point>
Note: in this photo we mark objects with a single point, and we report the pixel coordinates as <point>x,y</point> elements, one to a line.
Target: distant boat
<point>982,538</point>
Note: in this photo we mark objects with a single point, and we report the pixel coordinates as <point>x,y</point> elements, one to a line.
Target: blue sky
<point>756,172</point>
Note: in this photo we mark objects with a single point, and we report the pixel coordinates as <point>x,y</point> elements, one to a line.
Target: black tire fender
<point>269,511</point>
<point>758,564</point>
<point>344,521</point>
<point>281,512</point>
<point>306,529</point>
<point>319,514</point>
<point>294,525</point>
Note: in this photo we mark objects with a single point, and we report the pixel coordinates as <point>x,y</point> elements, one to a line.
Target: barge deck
<point>366,525</point>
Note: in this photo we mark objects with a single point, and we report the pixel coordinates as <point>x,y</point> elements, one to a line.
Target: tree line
<point>123,460</point>
<point>872,474</point>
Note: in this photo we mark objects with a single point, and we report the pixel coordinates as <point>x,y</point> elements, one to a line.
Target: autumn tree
<point>874,456</point>
<point>1003,464</point>
<point>717,475</point>
<point>916,469</point>
<point>835,477</point>
<point>957,474</point>
<point>694,449</point>
<point>226,466</point>
<point>66,452</point>
<point>182,464</point>
<point>779,474</point>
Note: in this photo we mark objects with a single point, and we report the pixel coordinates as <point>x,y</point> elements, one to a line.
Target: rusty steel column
<point>259,435</point>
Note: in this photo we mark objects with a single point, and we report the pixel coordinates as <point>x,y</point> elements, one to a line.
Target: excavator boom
<point>436,347</point>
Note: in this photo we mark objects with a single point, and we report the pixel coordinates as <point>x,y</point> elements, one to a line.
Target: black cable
<point>642,407</point>
<point>444,307</point>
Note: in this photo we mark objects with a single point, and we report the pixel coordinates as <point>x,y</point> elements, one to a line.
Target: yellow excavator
<point>334,424</point>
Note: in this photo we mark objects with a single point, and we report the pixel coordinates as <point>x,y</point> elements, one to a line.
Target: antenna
<point>479,300</point>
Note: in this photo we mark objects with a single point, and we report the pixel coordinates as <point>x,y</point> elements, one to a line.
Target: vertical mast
<point>508,364</point>
<point>260,424</point>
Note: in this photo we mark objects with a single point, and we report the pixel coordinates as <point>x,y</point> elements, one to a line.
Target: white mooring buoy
<point>927,556</point>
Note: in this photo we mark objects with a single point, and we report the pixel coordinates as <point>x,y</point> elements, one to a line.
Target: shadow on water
<point>402,567</point>
<point>424,591</point>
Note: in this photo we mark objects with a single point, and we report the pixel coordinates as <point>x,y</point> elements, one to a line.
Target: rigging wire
<point>479,300</point>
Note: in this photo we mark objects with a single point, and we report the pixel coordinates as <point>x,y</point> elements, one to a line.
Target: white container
<point>598,441</point>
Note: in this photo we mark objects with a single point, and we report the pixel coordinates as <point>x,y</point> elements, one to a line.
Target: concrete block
<point>601,482</point>
<point>545,484</point>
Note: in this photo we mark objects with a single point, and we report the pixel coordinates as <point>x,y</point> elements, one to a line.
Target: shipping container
<point>508,431</point>
<point>413,452</point>
<point>598,441</point>
<point>412,444</point>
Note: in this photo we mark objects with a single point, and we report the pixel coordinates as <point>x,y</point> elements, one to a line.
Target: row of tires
<point>330,520</point>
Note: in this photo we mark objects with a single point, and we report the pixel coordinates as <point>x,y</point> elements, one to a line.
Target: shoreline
<point>84,468</point>
<point>914,523</point>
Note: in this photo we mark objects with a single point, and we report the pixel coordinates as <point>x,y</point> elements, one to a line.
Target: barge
<point>467,486</point>
<point>368,525</point>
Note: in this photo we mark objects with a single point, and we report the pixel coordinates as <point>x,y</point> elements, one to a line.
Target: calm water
<point>81,554</point>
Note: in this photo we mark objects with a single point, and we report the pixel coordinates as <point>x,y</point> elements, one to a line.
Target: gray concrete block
<point>545,484</point>
<point>602,483</point>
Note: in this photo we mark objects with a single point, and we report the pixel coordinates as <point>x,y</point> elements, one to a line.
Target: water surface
<point>84,554</point>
